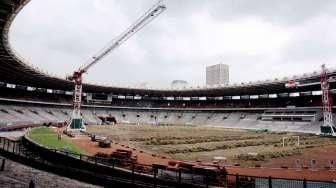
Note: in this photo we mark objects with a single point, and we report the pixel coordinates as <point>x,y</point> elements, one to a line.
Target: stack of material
<point>105,143</point>
<point>96,138</point>
<point>124,156</point>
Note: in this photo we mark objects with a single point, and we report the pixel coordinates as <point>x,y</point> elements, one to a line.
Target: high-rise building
<point>217,75</point>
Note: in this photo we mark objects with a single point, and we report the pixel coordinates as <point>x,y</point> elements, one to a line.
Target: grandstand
<point>306,120</point>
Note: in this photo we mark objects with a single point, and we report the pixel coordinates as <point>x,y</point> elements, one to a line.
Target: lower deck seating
<point>291,115</point>
<point>11,115</point>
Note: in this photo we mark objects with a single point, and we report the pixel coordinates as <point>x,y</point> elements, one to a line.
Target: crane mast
<point>328,127</point>
<point>76,122</point>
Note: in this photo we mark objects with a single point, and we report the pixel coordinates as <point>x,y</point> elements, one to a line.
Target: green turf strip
<point>48,138</point>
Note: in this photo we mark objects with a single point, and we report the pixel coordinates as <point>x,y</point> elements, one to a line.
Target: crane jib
<point>130,31</point>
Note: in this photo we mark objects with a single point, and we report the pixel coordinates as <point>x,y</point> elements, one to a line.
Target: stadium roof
<point>15,70</point>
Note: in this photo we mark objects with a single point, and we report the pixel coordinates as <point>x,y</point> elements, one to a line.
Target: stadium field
<point>194,143</point>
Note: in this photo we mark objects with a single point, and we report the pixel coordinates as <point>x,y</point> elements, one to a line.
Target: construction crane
<point>76,121</point>
<point>327,128</point>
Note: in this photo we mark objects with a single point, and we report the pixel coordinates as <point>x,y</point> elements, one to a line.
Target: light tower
<point>327,128</point>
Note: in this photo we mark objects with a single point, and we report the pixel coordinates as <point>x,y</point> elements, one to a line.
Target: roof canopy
<point>14,70</point>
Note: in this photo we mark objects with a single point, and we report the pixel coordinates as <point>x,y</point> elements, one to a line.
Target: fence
<point>239,181</point>
<point>111,171</point>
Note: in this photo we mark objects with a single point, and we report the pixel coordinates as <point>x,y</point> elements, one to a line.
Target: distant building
<point>217,75</point>
<point>142,85</point>
<point>179,84</point>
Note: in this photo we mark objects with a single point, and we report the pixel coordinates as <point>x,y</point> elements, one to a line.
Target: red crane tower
<point>76,121</point>
<point>327,128</point>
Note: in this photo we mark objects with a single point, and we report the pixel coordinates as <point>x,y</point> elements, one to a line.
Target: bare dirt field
<point>196,143</point>
<point>143,157</point>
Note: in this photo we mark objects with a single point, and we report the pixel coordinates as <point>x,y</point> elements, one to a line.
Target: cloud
<point>279,12</point>
<point>259,39</point>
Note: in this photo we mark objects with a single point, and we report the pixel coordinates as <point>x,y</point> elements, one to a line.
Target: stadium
<point>273,133</point>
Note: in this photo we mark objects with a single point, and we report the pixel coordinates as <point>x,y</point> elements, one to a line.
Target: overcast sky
<point>259,39</point>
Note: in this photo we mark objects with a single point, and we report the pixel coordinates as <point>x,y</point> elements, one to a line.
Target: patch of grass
<point>220,146</point>
<point>265,156</point>
<point>48,138</point>
<point>191,140</point>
